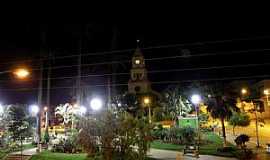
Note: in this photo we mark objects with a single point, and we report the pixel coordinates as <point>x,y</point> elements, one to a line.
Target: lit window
<point>137,61</point>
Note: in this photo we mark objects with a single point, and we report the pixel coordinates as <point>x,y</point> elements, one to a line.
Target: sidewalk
<point>28,152</point>
<point>261,152</point>
<point>171,155</point>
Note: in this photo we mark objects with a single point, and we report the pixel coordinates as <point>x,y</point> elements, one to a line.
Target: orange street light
<point>21,73</point>
<point>146,100</point>
<point>244,91</point>
<point>266,92</point>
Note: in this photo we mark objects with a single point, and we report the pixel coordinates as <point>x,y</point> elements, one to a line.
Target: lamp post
<point>34,109</point>
<point>244,92</point>
<point>196,99</point>
<point>147,102</point>
<point>46,118</point>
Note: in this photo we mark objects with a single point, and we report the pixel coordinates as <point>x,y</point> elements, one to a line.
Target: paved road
<point>171,155</point>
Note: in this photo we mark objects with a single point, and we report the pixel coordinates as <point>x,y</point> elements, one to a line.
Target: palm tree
<point>222,107</point>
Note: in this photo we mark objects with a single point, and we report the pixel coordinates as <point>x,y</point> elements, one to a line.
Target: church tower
<point>138,83</point>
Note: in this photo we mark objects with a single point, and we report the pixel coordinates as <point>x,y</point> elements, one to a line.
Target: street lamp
<point>34,109</point>
<point>46,118</point>
<point>21,73</point>
<point>244,91</point>
<point>96,104</point>
<point>147,102</point>
<point>196,99</point>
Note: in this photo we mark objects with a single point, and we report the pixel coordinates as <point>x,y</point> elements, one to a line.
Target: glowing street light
<point>266,92</point>
<point>244,91</point>
<point>21,73</point>
<point>195,99</point>
<point>96,104</point>
<point>34,109</point>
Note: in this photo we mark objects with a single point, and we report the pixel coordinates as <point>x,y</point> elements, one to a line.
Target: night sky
<point>227,43</point>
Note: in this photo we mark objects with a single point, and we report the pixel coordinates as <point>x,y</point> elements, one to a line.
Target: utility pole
<point>256,125</point>
<point>40,88</point>
<point>79,80</point>
<point>48,94</point>
<point>109,92</point>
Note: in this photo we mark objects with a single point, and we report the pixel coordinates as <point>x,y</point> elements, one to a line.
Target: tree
<point>115,135</point>
<point>126,103</point>
<point>221,106</point>
<point>239,119</point>
<point>18,124</point>
<point>175,102</point>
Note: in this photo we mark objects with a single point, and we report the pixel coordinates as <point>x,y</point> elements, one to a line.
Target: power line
<point>159,71</point>
<point>130,50</point>
<point>154,59</point>
<point>154,83</point>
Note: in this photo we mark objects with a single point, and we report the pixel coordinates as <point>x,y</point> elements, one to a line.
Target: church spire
<point>138,52</point>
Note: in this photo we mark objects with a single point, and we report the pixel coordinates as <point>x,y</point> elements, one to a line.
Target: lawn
<point>210,149</point>
<point>47,155</point>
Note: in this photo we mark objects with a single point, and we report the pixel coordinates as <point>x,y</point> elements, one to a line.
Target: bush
<point>246,154</point>
<point>241,140</point>
<point>226,149</point>
<point>188,135</point>
<point>68,146</point>
<point>58,148</point>
<point>13,146</point>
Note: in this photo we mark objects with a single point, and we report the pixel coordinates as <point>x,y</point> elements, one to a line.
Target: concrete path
<point>171,155</point>
<point>28,152</point>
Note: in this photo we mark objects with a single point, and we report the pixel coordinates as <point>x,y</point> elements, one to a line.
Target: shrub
<point>226,149</point>
<point>188,134</point>
<point>241,140</point>
<point>58,148</point>
<point>246,154</point>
